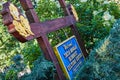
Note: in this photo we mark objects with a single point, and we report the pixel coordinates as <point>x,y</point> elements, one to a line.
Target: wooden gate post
<point>67,11</point>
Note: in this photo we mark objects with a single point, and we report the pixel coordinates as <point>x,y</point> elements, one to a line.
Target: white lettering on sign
<point>67,46</point>
<point>73,49</point>
<point>70,66</point>
<point>77,66</point>
<point>67,53</point>
<point>78,57</point>
<point>72,56</point>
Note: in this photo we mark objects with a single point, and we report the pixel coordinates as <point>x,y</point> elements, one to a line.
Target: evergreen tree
<point>42,70</point>
<point>104,61</point>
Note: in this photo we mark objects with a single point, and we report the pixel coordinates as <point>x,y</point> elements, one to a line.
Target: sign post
<point>25,29</point>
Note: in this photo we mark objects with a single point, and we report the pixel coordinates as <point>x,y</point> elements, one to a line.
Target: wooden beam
<point>67,11</point>
<point>48,52</point>
<point>26,4</point>
<point>40,28</point>
<point>64,6</point>
<point>7,18</point>
<point>29,11</point>
<point>43,41</point>
<point>52,25</point>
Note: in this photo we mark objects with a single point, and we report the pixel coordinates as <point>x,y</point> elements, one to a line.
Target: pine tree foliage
<point>104,60</point>
<point>42,70</point>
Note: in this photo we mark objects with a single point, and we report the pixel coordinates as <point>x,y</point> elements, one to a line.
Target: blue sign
<point>70,57</point>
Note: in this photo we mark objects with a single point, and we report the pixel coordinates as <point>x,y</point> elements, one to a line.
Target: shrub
<point>96,19</point>
<point>104,61</point>
<point>42,70</point>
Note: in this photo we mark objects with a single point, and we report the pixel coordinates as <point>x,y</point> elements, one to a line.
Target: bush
<point>42,70</point>
<point>11,72</point>
<point>104,61</point>
<point>96,19</point>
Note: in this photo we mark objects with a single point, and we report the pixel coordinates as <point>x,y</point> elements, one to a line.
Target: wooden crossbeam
<point>43,40</point>
<point>38,28</point>
<point>52,25</point>
<point>41,29</point>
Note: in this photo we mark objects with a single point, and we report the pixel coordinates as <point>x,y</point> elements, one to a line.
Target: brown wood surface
<point>41,29</point>
<point>7,18</point>
<point>26,4</point>
<point>52,25</point>
<point>74,29</point>
<point>43,40</point>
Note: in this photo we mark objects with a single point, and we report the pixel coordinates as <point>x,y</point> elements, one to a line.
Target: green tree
<point>104,61</point>
<point>96,19</point>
